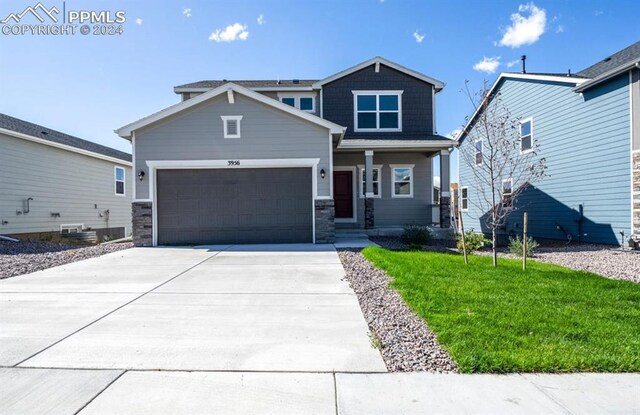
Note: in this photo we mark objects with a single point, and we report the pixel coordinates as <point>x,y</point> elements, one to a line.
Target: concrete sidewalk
<point>60,391</point>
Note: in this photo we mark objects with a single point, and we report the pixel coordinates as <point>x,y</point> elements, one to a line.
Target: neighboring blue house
<point>587,127</point>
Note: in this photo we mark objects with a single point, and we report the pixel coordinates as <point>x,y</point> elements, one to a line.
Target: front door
<point>343,194</point>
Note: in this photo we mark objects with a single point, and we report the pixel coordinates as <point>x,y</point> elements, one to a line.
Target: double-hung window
<point>478,145</point>
<point>377,110</point>
<point>526,135</point>
<point>507,185</point>
<point>119,180</point>
<point>401,181</point>
<point>464,198</point>
<point>377,188</point>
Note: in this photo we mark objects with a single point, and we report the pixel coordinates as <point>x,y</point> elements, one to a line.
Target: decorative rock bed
<point>17,258</point>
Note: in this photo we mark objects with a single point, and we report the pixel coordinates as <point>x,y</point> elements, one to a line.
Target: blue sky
<point>89,85</point>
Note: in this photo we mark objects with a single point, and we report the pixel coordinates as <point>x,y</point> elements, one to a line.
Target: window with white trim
<point>377,186</point>
<point>507,189</point>
<point>436,195</point>
<point>119,181</point>
<point>402,181</point>
<point>231,125</point>
<point>464,198</point>
<point>526,135</point>
<point>301,102</point>
<point>478,145</point>
<point>377,110</point>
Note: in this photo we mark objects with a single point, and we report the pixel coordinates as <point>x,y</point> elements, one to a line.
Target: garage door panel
<point>234,206</point>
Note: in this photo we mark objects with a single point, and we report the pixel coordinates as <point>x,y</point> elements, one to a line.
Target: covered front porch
<point>386,188</point>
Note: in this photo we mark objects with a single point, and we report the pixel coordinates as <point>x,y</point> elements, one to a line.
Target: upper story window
<point>119,180</point>
<point>401,181</point>
<point>478,145</point>
<point>304,102</point>
<point>464,198</point>
<point>231,125</point>
<point>526,135</point>
<point>377,187</point>
<point>377,110</point>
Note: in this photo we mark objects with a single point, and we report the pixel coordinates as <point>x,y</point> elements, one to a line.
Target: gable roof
<point>27,130</point>
<point>569,80</point>
<point>203,86</point>
<point>380,60</point>
<point>628,54</point>
<point>128,129</point>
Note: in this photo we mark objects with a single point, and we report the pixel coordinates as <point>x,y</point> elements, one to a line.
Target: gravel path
<point>407,343</point>
<point>17,258</point>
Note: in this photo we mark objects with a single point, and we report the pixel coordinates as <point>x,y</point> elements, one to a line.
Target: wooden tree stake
<point>524,242</point>
<point>464,242</point>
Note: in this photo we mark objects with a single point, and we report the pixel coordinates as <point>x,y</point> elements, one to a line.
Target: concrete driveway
<point>233,330</point>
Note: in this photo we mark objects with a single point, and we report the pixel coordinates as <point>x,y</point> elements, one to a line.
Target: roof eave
<point>607,75</point>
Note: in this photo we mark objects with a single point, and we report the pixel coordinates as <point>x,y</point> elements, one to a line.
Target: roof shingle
<point>284,83</point>
<point>20,126</point>
<point>629,54</point>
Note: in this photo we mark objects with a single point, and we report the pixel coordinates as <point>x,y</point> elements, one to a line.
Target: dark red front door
<point>343,193</point>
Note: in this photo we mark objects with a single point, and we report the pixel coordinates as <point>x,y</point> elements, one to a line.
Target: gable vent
<point>232,127</point>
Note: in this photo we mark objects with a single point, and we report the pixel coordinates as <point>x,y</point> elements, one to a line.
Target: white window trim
<point>296,99</point>
<point>226,118</point>
<point>461,198</point>
<point>433,191</point>
<point>79,226</point>
<point>377,112</point>
<point>393,182</point>
<point>360,181</point>
<point>525,120</point>
<point>115,181</point>
<point>475,152</point>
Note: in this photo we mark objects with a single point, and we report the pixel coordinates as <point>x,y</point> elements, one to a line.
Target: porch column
<point>369,221</point>
<point>445,190</point>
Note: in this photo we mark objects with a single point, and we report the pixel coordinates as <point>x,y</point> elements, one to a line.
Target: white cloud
<point>261,20</point>
<point>418,37</point>
<point>560,29</point>
<point>139,21</point>
<point>487,65</point>
<point>186,12</point>
<point>513,63</point>
<point>230,33</point>
<point>525,30</point>
<point>598,12</point>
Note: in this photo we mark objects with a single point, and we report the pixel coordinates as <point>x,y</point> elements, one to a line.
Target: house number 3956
<point>233,163</point>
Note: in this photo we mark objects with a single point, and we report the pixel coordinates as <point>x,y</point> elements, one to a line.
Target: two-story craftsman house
<point>289,161</point>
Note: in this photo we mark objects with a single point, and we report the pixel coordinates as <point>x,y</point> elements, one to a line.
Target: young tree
<point>501,171</point>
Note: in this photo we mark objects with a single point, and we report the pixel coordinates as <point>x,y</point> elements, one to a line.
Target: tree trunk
<point>494,237</point>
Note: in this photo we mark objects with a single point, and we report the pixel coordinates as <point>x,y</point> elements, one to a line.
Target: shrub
<point>416,235</point>
<point>515,246</point>
<point>473,241</point>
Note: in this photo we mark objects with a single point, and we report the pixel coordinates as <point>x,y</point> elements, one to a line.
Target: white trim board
<point>376,61</point>
<point>64,147</point>
<point>126,131</point>
<point>155,165</point>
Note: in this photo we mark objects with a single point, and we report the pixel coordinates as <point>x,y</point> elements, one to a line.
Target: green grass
<point>499,320</point>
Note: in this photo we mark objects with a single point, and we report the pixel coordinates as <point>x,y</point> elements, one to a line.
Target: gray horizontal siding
<point>59,181</point>
<point>417,100</point>
<point>585,140</point>
<point>197,134</point>
<point>395,211</point>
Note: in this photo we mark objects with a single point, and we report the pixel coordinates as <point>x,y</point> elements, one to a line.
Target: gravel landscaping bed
<point>606,260</point>
<point>406,342</point>
<point>17,258</point>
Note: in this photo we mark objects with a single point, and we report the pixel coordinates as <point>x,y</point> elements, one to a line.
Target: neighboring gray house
<point>587,127</point>
<point>289,161</point>
<point>51,182</point>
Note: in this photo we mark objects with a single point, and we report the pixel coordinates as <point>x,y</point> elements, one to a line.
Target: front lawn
<point>547,319</point>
